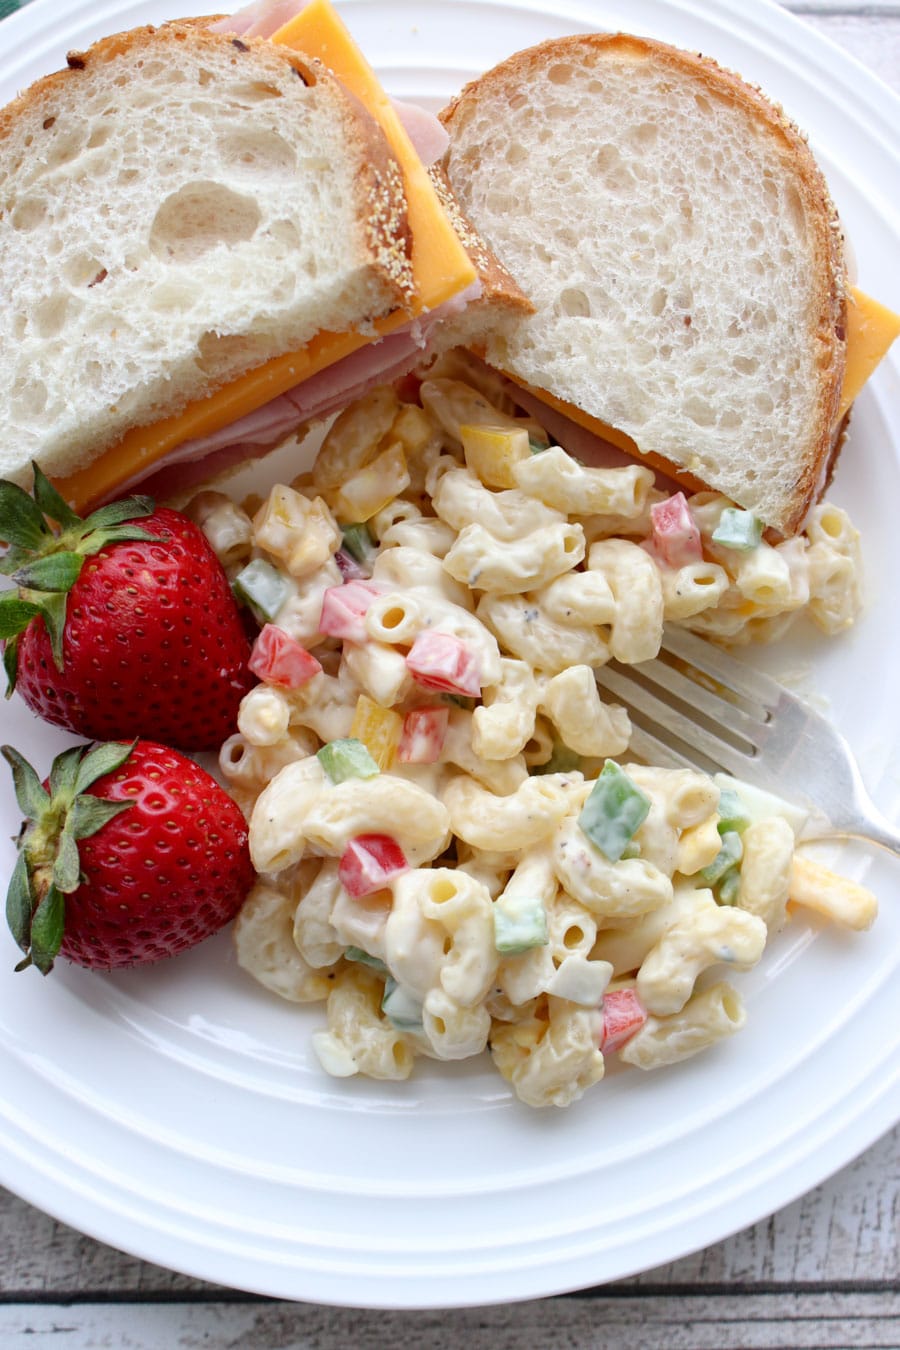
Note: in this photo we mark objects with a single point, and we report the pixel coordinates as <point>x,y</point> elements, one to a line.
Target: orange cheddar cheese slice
<point>610,434</point>
<point>871,328</point>
<point>575,414</point>
<point>441,266</point>
<point>144,446</point>
<point>441,269</point>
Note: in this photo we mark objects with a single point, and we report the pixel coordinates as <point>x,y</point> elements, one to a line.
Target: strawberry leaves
<point>31,796</point>
<point>45,562</point>
<point>48,867</point>
<point>99,761</point>
<point>19,904</point>
<point>24,527</point>
<point>47,925</point>
<point>15,614</point>
<point>53,572</point>
<point>50,503</point>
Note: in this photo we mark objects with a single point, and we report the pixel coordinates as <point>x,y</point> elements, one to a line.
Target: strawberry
<point>129,853</point>
<point>124,623</point>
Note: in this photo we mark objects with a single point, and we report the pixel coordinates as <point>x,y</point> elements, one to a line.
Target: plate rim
<point>856,1132</point>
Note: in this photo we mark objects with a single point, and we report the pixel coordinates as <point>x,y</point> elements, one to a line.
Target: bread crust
<point>499,289</point>
<point>829,303</point>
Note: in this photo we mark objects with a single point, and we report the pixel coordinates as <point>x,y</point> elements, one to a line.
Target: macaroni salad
<point>454,851</point>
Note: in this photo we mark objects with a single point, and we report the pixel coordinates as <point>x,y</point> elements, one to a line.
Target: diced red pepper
<point>443,662</point>
<point>674,532</point>
<point>623,1015</point>
<point>277,658</point>
<point>422,737</point>
<point>369,863</point>
<point>344,610</point>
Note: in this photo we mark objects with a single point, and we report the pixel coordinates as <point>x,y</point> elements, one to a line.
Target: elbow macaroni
<point>537,569</point>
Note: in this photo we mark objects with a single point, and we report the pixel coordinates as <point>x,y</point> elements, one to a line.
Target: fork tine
<point>794,750</point>
<point>753,685</point>
<point>667,722</point>
<point>702,700</point>
<point>651,751</point>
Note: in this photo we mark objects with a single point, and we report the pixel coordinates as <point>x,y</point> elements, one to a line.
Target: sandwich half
<point>684,257</point>
<point>214,237</point>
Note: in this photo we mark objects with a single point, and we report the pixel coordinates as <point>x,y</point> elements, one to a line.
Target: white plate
<point>176,1112</point>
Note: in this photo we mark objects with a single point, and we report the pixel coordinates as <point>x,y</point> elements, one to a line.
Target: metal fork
<point>696,707</point>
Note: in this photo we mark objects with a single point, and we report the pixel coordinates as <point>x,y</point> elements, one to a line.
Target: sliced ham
<point>173,479</point>
<point>261,19</point>
<point>318,397</point>
<point>585,445</point>
<point>253,436</point>
<point>376,363</point>
<point>428,136</point>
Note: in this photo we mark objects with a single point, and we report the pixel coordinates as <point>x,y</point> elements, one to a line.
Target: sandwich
<point>685,261</point>
<point>218,231</point>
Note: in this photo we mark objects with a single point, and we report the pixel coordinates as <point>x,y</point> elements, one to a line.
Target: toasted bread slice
<point>177,208</point>
<point>678,241</point>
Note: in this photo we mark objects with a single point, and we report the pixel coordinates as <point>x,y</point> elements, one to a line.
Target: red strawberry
<point>129,853</point>
<point>124,623</point>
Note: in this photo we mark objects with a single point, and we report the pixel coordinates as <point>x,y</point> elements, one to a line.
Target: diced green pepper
<point>346,758</point>
<point>400,1007</point>
<point>358,541</point>
<point>759,804</point>
<point>520,923</point>
<point>364,959</point>
<point>728,888</point>
<point>263,588</point>
<point>729,854</point>
<point>562,760</point>
<point>614,811</point>
<point>741,530</point>
<point>460,701</point>
<point>733,813</point>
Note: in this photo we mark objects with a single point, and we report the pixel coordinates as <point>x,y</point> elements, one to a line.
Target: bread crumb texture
<point>679,245</point>
<point>176,208</point>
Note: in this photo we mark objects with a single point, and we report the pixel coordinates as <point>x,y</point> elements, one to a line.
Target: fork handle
<point>870,827</point>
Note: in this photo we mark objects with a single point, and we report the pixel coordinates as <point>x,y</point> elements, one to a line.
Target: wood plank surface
<point>691,1322</point>
<point>823,1272</point>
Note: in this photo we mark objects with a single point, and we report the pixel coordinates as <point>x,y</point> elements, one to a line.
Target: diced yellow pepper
<point>379,730</point>
<point>491,453</point>
<point>363,496</point>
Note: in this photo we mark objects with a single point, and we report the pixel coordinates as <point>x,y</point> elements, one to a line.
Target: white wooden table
<point>823,1272</point>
